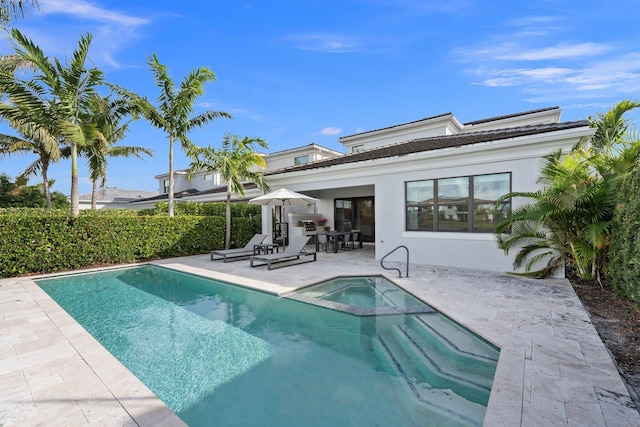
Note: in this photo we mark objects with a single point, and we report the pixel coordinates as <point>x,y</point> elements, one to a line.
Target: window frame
<point>471,204</point>
<point>297,160</point>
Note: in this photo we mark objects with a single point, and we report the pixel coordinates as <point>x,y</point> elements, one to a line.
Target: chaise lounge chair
<point>292,252</point>
<point>223,254</point>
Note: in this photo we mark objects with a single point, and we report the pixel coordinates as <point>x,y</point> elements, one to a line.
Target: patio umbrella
<point>283,197</point>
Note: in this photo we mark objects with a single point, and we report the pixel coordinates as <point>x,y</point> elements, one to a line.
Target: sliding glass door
<point>356,214</point>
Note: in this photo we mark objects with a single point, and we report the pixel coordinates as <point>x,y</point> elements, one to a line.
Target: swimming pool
<point>213,351</point>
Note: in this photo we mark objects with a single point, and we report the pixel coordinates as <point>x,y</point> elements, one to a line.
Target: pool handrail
<point>395,268</point>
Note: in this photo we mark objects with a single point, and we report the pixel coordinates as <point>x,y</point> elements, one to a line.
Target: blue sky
<point>295,72</point>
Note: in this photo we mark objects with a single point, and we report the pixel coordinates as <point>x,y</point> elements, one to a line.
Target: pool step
<point>426,400</point>
<point>456,338</point>
<point>450,357</point>
<point>464,376</point>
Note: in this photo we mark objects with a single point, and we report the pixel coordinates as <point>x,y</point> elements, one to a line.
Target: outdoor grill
<point>308,225</point>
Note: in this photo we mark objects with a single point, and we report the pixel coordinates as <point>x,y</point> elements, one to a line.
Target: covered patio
<point>553,368</point>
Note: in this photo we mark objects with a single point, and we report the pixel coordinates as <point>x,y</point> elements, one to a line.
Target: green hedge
<point>40,241</point>
<point>238,210</point>
<point>623,269</point>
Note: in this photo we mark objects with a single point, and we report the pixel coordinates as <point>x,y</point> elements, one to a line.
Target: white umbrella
<point>283,197</point>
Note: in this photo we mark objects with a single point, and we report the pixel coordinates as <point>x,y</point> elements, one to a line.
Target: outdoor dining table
<point>333,237</point>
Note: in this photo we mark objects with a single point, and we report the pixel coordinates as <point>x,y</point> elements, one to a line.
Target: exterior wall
<point>446,125</point>
<point>454,249</point>
<point>286,159</point>
<point>541,117</point>
<point>86,204</point>
<point>181,183</point>
<point>198,182</point>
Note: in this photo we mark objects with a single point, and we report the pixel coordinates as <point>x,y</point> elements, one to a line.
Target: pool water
<point>220,354</point>
<point>361,295</point>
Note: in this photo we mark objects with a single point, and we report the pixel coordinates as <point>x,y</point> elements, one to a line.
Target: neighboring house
<point>428,184</point>
<point>209,186</point>
<point>114,198</point>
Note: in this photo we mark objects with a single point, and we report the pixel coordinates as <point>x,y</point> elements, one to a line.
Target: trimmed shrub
<point>41,241</point>
<point>238,210</point>
<point>623,269</point>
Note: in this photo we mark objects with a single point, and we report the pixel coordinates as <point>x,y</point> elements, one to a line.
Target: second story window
<point>301,160</point>
<point>357,148</point>
<point>165,186</point>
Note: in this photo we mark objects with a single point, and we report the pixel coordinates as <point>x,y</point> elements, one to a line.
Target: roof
<point>509,116</point>
<point>193,192</point>
<point>435,143</point>
<point>178,195</point>
<point>118,195</point>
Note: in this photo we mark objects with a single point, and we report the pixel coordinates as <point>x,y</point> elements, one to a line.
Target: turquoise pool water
<point>362,295</point>
<point>220,354</point>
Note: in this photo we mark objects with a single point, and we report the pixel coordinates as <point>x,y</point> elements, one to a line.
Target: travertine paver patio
<point>553,368</point>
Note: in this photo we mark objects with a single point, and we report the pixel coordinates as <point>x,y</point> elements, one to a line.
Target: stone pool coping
<point>553,367</point>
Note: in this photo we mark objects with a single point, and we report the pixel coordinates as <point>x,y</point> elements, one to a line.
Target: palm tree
<point>568,222</point>
<point>43,144</point>
<point>107,114</point>
<point>174,109</point>
<point>235,161</point>
<point>11,9</point>
<point>55,99</point>
<point>612,129</point>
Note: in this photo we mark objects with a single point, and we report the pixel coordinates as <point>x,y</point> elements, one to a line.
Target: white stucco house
<point>114,198</point>
<point>210,187</point>
<point>428,184</point>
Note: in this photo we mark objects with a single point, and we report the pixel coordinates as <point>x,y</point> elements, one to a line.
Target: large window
<point>464,204</point>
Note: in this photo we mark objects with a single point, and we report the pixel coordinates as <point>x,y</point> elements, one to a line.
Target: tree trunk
<point>227,234</point>
<point>94,190</point>
<point>171,139</point>
<point>45,184</point>
<point>75,205</point>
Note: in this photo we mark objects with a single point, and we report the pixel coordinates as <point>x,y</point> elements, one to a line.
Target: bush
<point>238,210</point>
<point>623,270</point>
<point>45,241</point>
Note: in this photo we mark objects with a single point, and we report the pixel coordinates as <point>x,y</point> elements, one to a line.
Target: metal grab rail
<point>395,268</point>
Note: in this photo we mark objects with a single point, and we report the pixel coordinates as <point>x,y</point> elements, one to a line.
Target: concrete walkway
<point>553,368</point>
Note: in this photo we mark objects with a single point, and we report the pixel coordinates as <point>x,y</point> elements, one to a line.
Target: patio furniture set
<point>266,253</point>
<point>260,253</point>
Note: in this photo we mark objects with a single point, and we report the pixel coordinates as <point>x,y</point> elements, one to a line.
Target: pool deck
<point>553,369</point>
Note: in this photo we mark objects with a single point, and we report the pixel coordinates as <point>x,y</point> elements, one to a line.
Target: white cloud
<point>517,52</point>
<point>564,79</point>
<point>86,10</point>
<point>548,69</point>
<point>560,51</point>
<point>112,30</point>
<point>330,131</point>
<point>329,43</point>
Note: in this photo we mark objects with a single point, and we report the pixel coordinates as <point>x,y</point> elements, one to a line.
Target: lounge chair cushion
<point>226,254</point>
<point>291,252</point>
